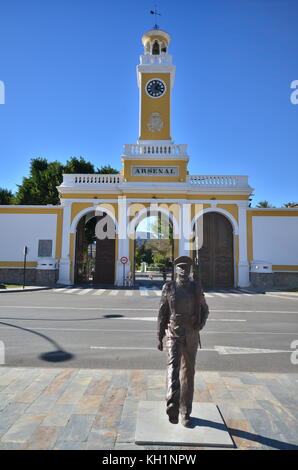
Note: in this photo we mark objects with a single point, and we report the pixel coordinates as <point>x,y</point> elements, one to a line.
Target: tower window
<point>155,48</point>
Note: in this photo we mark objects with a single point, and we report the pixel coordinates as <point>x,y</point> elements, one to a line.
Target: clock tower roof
<point>156,41</point>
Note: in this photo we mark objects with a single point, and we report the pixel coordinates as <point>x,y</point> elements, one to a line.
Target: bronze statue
<point>182,314</point>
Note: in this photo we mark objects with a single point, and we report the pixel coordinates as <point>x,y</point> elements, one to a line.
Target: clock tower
<point>155,75</point>
<point>155,158</point>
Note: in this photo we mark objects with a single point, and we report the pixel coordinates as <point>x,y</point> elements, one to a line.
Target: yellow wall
<point>151,105</point>
<point>231,208</point>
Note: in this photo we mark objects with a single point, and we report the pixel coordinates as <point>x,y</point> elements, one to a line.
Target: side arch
<point>218,252</point>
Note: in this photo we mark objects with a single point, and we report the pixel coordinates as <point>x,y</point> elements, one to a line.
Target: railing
<point>155,150</point>
<point>69,180</point>
<point>163,59</point>
<point>200,181</point>
<point>218,180</point>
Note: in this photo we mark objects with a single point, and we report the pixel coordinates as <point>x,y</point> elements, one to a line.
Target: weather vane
<point>155,12</point>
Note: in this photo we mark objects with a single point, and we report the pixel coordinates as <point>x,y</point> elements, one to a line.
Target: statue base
<point>208,428</point>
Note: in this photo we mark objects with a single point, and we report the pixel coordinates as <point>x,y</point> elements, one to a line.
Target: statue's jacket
<point>177,320</point>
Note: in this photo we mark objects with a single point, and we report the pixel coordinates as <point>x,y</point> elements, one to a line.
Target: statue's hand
<point>160,346</point>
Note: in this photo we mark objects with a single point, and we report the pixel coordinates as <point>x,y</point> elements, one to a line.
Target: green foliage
<point>107,170</point>
<point>40,187</point>
<point>143,254</point>
<point>264,204</point>
<point>6,196</point>
<point>291,204</point>
<point>78,165</point>
<point>159,259</point>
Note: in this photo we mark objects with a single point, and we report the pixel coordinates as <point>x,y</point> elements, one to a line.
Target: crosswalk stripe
<point>143,291</point>
<point>99,292</point>
<point>85,291</point>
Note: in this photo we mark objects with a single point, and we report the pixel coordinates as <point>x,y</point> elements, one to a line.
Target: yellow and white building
<point>238,244</point>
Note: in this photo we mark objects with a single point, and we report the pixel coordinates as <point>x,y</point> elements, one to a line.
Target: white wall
<point>18,230</point>
<point>275,239</point>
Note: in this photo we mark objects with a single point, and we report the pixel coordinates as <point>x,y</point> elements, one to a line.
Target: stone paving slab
<point>55,408</point>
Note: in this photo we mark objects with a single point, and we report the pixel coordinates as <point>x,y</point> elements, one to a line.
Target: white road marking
<point>128,292</point>
<point>72,291</point>
<point>158,292</point>
<point>144,292</point>
<point>99,292</point>
<point>114,292</point>
<point>218,294</point>
<point>137,309</point>
<point>222,350</point>
<point>85,291</point>
<point>122,347</point>
<point>155,319</point>
<point>283,297</point>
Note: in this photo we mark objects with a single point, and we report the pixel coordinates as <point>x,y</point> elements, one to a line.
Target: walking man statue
<point>182,314</point>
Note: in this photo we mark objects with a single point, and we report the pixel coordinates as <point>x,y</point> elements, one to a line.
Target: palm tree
<point>264,204</point>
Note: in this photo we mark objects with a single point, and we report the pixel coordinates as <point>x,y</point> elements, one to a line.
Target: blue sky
<point>69,72</point>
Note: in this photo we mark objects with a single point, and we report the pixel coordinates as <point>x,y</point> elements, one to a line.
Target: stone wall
<point>274,280</point>
<point>42,277</point>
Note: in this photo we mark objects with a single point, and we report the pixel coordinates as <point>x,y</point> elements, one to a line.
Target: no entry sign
<point>123,260</point>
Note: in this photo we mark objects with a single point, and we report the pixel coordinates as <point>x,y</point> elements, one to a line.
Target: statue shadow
<point>249,436</point>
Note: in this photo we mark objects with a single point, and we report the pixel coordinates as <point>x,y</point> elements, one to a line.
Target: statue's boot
<point>172,414</point>
<point>186,421</point>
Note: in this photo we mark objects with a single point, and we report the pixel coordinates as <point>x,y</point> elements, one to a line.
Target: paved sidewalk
<point>96,409</point>
<point>27,288</point>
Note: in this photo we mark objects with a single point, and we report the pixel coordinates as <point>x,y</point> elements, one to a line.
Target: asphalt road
<point>116,329</point>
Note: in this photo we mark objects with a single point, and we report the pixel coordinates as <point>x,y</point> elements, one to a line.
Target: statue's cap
<point>183,260</point>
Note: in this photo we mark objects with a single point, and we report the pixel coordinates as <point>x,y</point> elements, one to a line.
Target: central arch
<point>154,244</point>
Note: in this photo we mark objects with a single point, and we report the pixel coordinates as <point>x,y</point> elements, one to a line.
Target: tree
<point>40,187</point>
<point>291,204</point>
<point>107,170</point>
<point>78,165</point>
<point>6,196</point>
<point>264,204</point>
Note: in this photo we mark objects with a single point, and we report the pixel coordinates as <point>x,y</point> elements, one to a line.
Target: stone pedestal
<point>208,428</point>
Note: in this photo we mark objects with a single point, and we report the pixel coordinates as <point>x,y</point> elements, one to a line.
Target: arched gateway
<point>95,250</point>
<point>155,177</point>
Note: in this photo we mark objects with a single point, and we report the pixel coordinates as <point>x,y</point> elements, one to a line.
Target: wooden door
<point>79,275</point>
<point>216,255</point>
<point>105,261</point>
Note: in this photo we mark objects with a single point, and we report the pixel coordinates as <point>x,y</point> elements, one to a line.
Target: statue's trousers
<point>181,351</point>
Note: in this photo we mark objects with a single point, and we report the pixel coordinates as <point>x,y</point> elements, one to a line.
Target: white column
<point>184,228</point>
<point>64,263</point>
<point>243,265</point>
<point>123,240</point>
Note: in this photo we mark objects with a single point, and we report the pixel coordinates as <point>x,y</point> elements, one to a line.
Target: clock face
<point>155,88</point>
